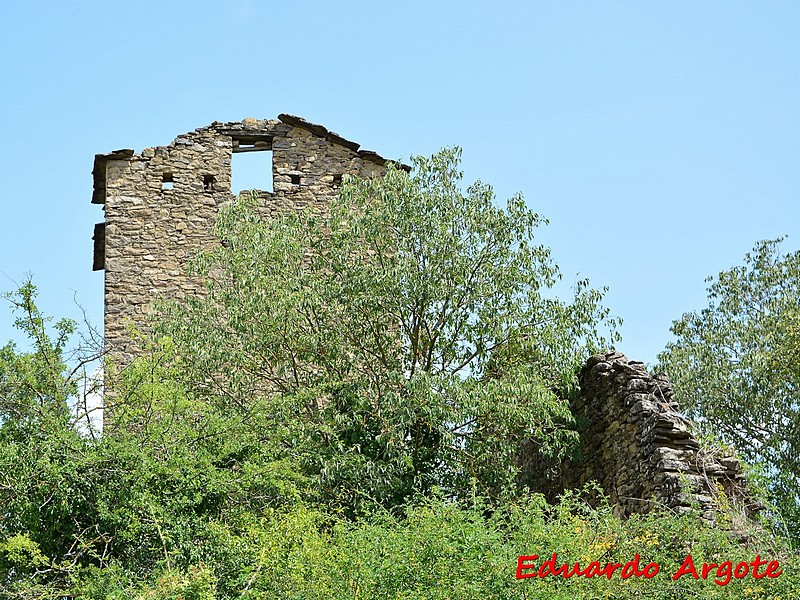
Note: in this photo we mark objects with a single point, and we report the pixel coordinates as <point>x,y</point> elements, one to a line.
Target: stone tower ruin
<point>159,207</point>
<point>159,204</point>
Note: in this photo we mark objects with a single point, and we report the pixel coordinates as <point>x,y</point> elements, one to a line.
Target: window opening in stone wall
<point>167,182</point>
<point>295,179</point>
<point>99,238</point>
<point>251,170</point>
<point>208,183</point>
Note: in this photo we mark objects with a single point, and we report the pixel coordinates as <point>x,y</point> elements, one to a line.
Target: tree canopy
<point>735,367</point>
<point>412,326</point>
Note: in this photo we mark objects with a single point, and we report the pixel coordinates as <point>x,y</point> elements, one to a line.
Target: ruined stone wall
<point>637,446</point>
<point>160,205</point>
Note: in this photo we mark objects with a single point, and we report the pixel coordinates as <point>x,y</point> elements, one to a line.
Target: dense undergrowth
<point>338,416</point>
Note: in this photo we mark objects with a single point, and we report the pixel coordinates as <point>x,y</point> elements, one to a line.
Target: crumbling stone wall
<point>160,205</point>
<point>637,446</point>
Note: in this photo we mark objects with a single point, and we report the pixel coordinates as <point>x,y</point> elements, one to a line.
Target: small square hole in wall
<point>295,179</point>
<point>167,183</point>
<point>337,181</point>
<point>208,183</point>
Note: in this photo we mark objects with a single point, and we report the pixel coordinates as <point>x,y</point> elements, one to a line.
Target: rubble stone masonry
<point>160,205</point>
<point>636,444</point>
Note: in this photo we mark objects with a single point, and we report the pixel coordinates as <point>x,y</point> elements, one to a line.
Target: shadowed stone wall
<point>640,449</point>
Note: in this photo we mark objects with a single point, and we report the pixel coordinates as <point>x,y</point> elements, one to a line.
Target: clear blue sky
<point>662,139</point>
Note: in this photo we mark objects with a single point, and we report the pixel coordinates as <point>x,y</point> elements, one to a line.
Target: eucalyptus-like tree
<point>413,329</point>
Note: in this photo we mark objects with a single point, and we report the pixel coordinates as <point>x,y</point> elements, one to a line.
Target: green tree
<point>151,501</point>
<point>34,386</point>
<point>413,330</point>
<point>735,367</point>
<point>36,431</point>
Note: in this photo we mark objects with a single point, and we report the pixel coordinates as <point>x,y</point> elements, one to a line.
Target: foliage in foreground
<point>735,368</point>
<point>435,550</point>
<point>173,509</point>
<point>334,423</point>
<point>184,501</point>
